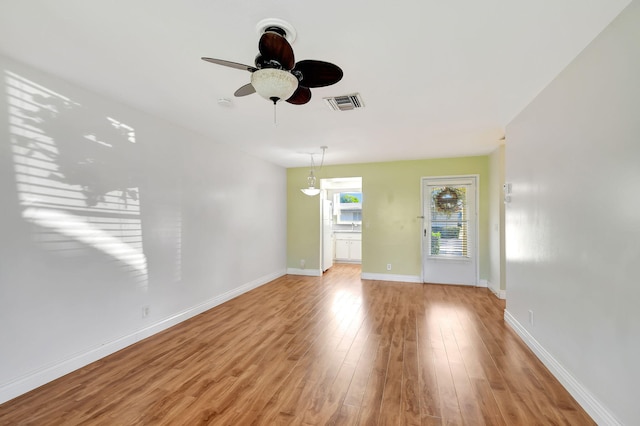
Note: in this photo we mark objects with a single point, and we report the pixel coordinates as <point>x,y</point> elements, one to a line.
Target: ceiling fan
<point>276,75</point>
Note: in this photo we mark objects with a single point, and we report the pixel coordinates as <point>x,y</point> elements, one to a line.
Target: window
<point>449,221</point>
<point>348,207</point>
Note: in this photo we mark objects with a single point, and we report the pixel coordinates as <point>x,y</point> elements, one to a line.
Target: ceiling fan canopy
<point>276,75</point>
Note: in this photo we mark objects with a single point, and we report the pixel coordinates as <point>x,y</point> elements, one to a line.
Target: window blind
<point>449,221</point>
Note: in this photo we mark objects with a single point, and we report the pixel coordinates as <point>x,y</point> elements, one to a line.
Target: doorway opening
<point>341,221</point>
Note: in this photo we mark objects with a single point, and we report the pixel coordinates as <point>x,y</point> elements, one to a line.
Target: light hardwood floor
<point>318,350</point>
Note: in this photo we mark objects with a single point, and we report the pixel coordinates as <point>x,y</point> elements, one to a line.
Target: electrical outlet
<point>302,262</point>
<point>388,266</point>
<point>530,317</point>
<point>145,311</point>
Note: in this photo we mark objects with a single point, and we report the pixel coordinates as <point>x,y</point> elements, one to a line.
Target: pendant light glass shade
<point>310,191</point>
<point>274,84</point>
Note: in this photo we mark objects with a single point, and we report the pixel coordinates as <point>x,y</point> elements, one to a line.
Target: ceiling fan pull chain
<point>275,118</point>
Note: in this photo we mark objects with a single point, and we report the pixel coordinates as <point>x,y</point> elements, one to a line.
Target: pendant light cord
<point>323,148</point>
<point>313,163</point>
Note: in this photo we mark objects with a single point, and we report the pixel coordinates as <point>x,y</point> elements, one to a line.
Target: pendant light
<point>311,189</point>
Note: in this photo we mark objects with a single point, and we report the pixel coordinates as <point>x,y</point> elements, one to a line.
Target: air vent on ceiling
<point>345,103</point>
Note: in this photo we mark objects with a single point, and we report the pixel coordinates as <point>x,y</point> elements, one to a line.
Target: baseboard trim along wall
<point>307,272</point>
<point>391,277</point>
<point>500,294</point>
<point>56,370</point>
<point>600,414</point>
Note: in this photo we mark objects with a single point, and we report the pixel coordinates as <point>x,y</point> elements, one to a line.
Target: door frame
<point>425,217</point>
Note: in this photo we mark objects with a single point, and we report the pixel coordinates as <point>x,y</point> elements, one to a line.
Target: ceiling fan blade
<point>245,90</point>
<point>273,46</point>
<point>318,73</point>
<point>231,64</point>
<point>302,95</point>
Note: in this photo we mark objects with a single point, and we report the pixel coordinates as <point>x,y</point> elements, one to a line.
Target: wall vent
<point>345,103</point>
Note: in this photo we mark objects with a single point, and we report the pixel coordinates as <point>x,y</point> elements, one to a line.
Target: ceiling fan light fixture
<point>276,74</point>
<point>274,84</point>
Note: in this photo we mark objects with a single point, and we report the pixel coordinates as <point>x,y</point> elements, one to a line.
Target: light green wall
<point>392,203</point>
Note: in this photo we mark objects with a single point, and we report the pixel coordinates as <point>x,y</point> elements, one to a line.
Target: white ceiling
<point>438,78</point>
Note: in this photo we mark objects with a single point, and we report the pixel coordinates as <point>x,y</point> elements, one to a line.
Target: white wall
<point>497,282</point>
<point>573,227</point>
<point>208,223</point>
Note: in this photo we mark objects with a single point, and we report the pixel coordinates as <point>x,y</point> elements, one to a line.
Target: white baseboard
<point>500,294</point>
<point>483,283</point>
<point>55,370</point>
<point>307,272</point>
<point>391,277</point>
<point>596,409</point>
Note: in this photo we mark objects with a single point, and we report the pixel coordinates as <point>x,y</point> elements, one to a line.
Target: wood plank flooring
<point>315,351</point>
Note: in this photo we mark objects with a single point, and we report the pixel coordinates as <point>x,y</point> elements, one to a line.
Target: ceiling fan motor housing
<point>262,63</point>
<point>277,30</point>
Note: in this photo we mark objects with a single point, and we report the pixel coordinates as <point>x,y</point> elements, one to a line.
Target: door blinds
<point>449,221</point>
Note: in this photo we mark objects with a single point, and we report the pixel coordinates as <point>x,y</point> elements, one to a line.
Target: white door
<point>449,232</point>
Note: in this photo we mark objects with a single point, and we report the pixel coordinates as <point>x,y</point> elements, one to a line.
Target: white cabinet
<point>348,247</point>
<point>342,249</point>
<point>355,250</point>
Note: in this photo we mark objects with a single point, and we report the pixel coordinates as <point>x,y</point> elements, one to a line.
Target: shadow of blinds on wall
<point>73,180</point>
